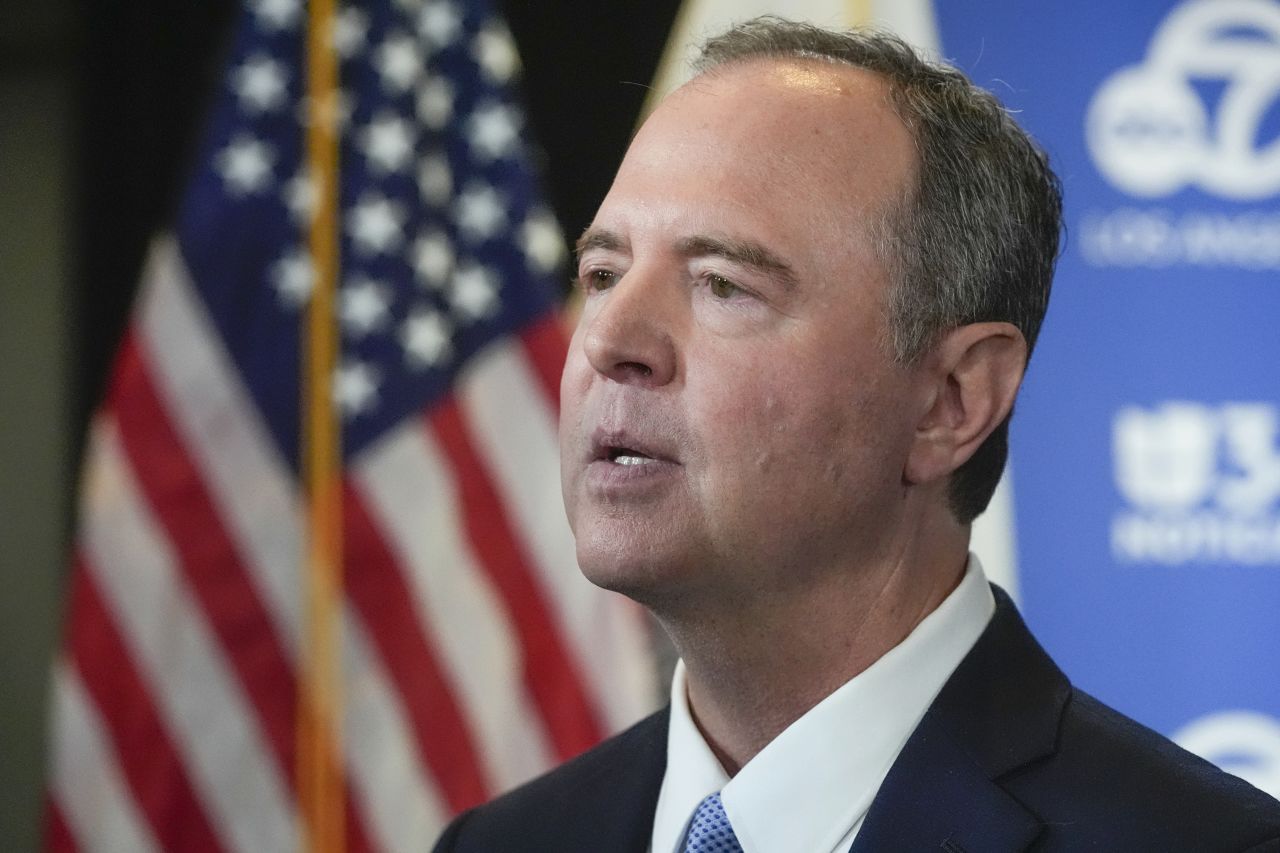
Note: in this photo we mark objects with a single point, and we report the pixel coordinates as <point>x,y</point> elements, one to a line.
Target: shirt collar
<point>815,781</point>
<point>693,771</point>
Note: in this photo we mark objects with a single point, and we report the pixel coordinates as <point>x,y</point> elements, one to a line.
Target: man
<point>809,299</point>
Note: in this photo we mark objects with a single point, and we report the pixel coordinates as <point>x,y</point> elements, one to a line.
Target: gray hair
<point>974,238</point>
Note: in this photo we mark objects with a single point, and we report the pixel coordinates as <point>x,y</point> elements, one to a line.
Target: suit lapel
<point>999,711</point>
<point>937,798</point>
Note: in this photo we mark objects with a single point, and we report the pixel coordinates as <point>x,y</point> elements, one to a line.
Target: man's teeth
<point>628,459</point>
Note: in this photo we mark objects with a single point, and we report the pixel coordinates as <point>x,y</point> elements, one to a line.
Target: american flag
<point>473,654</point>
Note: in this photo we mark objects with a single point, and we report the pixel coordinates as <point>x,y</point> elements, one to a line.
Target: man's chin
<point>652,580</point>
<point>630,578</point>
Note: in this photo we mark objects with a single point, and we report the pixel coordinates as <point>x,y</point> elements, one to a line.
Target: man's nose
<point>629,338</point>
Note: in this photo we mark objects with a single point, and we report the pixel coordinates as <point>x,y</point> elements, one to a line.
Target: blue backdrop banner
<point>1146,446</point>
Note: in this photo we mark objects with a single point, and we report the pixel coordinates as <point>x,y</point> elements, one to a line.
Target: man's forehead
<point>815,75</point>
<point>794,84</point>
<point>812,113</point>
<point>812,141</point>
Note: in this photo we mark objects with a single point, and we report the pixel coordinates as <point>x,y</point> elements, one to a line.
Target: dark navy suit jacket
<point>1009,757</point>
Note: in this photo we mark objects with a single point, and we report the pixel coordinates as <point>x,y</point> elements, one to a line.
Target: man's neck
<point>752,674</point>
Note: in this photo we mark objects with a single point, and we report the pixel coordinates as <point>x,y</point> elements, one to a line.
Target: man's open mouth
<point>621,448</point>
<point>627,456</point>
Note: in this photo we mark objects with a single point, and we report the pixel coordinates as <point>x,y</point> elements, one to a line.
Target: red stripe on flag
<point>357,835</point>
<point>549,672</point>
<point>376,585</point>
<point>57,835</point>
<point>142,746</point>
<point>546,346</point>
<point>209,558</point>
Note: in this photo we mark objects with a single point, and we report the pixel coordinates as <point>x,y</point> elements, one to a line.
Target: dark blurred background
<point>100,108</point>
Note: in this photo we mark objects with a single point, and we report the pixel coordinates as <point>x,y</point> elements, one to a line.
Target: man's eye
<point>721,288</point>
<point>595,280</point>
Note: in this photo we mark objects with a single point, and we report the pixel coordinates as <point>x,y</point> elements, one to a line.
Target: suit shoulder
<point>1116,779</point>
<point>620,755</point>
<point>601,792</point>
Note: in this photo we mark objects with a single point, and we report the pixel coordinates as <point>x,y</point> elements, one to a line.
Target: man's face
<point>731,419</point>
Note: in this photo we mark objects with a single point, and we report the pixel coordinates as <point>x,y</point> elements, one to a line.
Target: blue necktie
<point>709,831</point>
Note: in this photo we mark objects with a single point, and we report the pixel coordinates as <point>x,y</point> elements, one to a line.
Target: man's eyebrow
<point>744,252</point>
<point>598,238</point>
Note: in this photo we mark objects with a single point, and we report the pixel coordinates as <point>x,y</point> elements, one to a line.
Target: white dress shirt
<point>808,791</point>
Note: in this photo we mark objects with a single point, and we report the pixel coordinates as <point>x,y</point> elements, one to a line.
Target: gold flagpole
<point>319,765</point>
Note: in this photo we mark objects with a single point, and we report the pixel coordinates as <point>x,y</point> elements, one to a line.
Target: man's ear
<point>973,375</point>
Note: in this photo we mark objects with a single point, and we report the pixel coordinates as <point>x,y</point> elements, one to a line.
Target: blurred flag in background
<point>471,655</point>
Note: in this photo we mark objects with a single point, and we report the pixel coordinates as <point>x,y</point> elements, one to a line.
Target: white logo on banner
<point>1202,483</point>
<point>1245,743</point>
<point>1150,132</point>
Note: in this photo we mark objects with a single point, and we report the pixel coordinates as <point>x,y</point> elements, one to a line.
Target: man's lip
<point>605,444</point>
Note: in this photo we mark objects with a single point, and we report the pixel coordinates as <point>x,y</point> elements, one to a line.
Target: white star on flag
<point>433,258</point>
<point>493,131</point>
<point>376,224</point>
<point>398,62</point>
<point>425,337</point>
<point>276,15</point>
<point>435,103</point>
<point>435,179</point>
<point>350,29</point>
<point>300,196</point>
<point>355,387</point>
<point>388,143</point>
<point>439,23</point>
<point>293,276</point>
<point>365,305</point>
<point>542,241</point>
<point>479,212</point>
<point>245,165</point>
<point>475,292</point>
<point>260,83</point>
<point>496,53</point>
